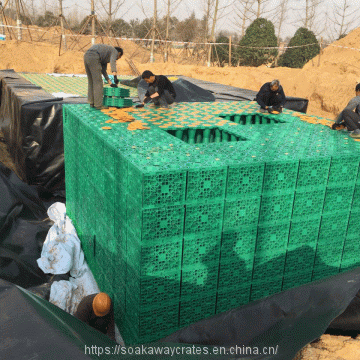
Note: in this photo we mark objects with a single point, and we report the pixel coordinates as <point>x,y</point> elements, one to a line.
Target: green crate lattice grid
<point>224,221</point>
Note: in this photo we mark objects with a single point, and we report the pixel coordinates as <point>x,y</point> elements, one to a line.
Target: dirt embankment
<point>328,86</point>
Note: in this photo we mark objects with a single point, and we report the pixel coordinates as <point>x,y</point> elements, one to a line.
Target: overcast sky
<point>135,9</point>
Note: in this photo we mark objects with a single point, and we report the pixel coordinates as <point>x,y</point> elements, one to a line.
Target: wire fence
<point>139,49</point>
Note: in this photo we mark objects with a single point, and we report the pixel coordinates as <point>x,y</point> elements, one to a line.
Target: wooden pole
<point>230,50</point>
<point>92,22</point>
<point>110,13</point>
<point>209,56</point>
<point>24,12</point>
<point>321,43</point>
<point>167,31</point>
<point>8,29</point>
<point>2,29</point>
<point>153,33</point>
<point>18,20</point>
<point>63,38</point>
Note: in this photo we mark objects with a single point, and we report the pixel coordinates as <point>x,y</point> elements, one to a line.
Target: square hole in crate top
<point>254,119</point>
<point>205,135</point>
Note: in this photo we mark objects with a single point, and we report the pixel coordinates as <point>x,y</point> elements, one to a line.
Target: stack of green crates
<point>117,97</point>
<point>214,206</point>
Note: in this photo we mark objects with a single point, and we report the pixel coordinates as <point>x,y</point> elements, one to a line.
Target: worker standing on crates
<point>96,60</point>
<point>271,97</point>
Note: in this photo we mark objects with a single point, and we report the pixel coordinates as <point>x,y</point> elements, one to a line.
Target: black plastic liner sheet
<point>348,323</point>
<point>31,120</point>
<point>231,93</point>
<point>289,320</point>
<point>31,327</point>
<point>24,225</point>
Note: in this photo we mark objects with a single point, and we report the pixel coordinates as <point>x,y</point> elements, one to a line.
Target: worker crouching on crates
<point>97,311</point>
<point>271,97</point>
<point>161,90</point>
<point>350,118</point>
<point>96,60</point>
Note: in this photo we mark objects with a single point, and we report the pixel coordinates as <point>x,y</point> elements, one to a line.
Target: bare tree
<point>260,8</point>
<point>310,14</point>
<point>48,5</point>
<point>146,10</point>
<point>214,10</point>
<point>243,15</point>
<point>281,14</point>
<point>343,19</point>
<point>153,32</point>
<point>73,15</point>
<point>32,9</point>
<point>208,9</point>
<point>110,8</point>
<point>171,7</point>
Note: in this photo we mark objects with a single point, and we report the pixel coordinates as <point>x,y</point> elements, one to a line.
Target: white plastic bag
<point>84,285</point>
<point>61,293</point>
<point>61,251</point>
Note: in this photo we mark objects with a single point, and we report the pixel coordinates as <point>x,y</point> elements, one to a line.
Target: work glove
<point>113,85</point>
<point>273,109</point>
<point>336,126</point>
<point>147,99</point>
<point>116,80</point>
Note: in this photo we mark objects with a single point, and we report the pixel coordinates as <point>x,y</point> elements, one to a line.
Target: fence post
<point>230,50</point>
<point>92,22</point>
<point>209,56</point>
<point>321,42</point>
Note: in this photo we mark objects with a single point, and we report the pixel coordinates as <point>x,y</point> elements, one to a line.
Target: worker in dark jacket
<point>97,311</point>
<point>349,117</point>
<point>271,97</point>
<point>96,60</point>
<point>161,90</point>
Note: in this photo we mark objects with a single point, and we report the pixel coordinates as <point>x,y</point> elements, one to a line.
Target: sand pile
<point>332,84</point>
<point>44,58</point>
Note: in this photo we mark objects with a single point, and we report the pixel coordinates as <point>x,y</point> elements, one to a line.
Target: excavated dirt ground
<point>328,83</point>
<point>332,348</point>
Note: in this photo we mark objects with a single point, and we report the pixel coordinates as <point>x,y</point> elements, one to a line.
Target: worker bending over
<point>97,311</point>
<point>271,97</point>
<point>96,60</point>
<point>349,117</point>
<point>161,90</point>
